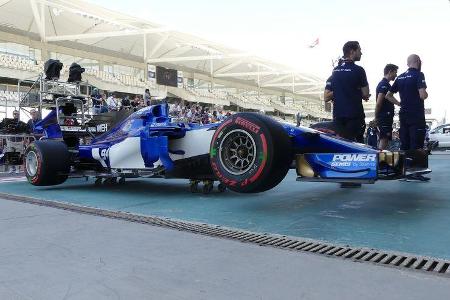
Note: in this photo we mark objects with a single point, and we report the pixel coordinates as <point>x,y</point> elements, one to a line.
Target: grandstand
<point>117,51</point>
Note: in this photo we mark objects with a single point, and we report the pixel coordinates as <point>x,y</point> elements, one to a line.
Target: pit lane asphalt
<point>398,216</point>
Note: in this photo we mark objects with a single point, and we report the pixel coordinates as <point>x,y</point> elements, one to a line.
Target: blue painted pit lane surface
<point>392,215</point>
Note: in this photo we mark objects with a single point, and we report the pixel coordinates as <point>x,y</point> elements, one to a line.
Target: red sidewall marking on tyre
<point>263,163</point>
<point>222,178</point>
<point>247,125</point>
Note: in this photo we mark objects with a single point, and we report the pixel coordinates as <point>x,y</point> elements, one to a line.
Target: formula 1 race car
<point>247,153</point>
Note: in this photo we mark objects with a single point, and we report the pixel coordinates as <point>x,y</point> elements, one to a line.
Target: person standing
<point>220,115</point>
<point>372,135</point>
<point>349,87</point>
<point>384,109</point>
<point>413,91</point>
<point>103,104</point>
<point>96,101</point>
<point>191,113</point>
<point>298,118</point>
<point>147,97</point>
<point>328,92</point>
<point>34,119</point>
<point>126,103</point>
<point>17,127</point>
<point>113,103</point>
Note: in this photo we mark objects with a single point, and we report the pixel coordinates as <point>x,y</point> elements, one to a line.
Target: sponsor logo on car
<point>247,124</point>
<point>356,160</point>
<point>354,157</point>
<point>104,154</point>
<point>99,128</point>
<point>158,125</point>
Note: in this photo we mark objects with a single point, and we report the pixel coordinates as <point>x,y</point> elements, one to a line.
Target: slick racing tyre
<point>250,153</point>
<point>47,162</point>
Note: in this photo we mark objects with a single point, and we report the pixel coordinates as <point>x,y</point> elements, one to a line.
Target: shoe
<point>352,185</point>
<point>418,171</point>
<point>417,177</point>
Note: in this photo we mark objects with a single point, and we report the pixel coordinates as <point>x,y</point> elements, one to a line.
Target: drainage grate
<point>383,258</point>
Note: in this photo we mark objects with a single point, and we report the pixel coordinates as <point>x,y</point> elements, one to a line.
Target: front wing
<point>359,167</point>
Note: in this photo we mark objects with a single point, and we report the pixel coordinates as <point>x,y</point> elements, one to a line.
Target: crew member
<point>34,119</point>
<point>384,110</point>
<point>412,88</point>
<point>13,125</point>
<point>349,86</point>
<point>328,92</point>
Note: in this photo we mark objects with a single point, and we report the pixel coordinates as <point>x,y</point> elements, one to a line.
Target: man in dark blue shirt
<point>328,92</point>
<point>348,87</point>
<point>412,88</point>
<point>384,110</point>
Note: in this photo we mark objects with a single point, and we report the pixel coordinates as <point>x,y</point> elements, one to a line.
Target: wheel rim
<point>31,163</point>
<point>237,152</point>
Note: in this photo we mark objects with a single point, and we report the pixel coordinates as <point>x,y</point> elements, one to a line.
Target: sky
<point>281,31</point>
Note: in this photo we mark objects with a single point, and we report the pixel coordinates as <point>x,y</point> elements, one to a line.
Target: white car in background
<point>441,134</point>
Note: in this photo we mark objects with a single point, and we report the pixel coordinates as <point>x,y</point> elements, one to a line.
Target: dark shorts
<point>385,127</point>
<point>351,128</point>
<point>412,133</point>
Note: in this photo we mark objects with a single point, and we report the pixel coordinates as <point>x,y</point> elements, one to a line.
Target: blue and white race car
<point>247,153</point>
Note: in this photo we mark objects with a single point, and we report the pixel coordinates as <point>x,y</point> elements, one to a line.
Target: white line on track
<point>13,179</point>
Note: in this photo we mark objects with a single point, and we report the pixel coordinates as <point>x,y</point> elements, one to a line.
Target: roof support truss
<point>39,18</point>
<point>177,51</point>
<point>144,42</point>
<point>74,8</point>
<point>288,84</point>
<point>228,67</point>
<point>258,73</point>
<point>277,79</point>
<point>158,45</point>
<point>3,2</point>
<point>197,58</point>
<point>97,35</point>
<point>308,93</point>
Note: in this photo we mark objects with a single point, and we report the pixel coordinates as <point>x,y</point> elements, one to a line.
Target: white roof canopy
<point>82,24</point>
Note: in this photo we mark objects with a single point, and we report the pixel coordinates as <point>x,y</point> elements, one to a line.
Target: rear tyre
<point>250,153</point>
<point>47,163</point>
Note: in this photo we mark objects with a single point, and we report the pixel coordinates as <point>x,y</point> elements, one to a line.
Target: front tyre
<point>250,153</point>
<point>47,163</point>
